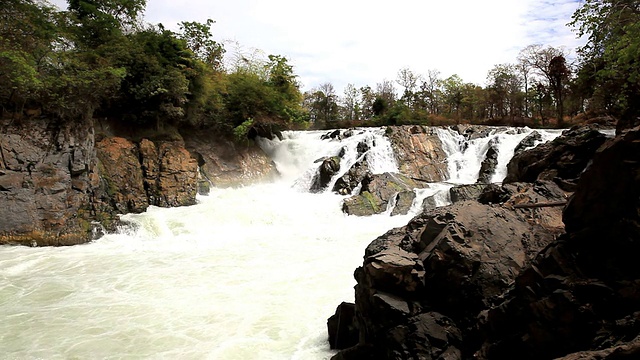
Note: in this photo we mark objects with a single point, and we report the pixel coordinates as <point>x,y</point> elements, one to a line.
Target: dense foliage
<point>98,58</point>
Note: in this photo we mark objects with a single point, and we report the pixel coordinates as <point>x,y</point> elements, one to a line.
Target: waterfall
<point>465,155</point>
<point>247,273</point>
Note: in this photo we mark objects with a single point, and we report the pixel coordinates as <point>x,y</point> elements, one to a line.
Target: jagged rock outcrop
<point>419,152</point>
<point>421,286</point>
<point>528,142</point>
<point>329,167</point>
<point>582,294</point>
<point>380,189</point>
<point>489,164</point>
<point>561,160</point>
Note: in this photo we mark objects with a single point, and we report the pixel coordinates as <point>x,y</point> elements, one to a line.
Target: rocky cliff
<point>61,184</point>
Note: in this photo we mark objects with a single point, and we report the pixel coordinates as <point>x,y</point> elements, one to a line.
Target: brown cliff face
<point>58,186</point>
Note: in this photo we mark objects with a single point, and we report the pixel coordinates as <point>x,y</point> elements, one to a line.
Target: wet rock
<point>466,192</point>
<point>352,178</point>
<point>528,142</point>
<point>342,327</point>
<point>376,193</point>
<point>419,152</point>
<point>489,164</point>
<point>565,157</point>
<point>580,297</point>
<point>326,171</point>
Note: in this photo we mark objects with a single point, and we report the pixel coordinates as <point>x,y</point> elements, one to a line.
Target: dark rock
<point>528,142</point>
<point>466,192</point>
<point>422,286</point>
<point>489,164</point>
<point>342,326</point>
<point>494,194</point>
<point>326,171</point>
<point>376,193</point>
<point>404,202</point>
<point>429,203</point>
<point>352,178</point>
<point>565,157</point>
<point>580,298</point>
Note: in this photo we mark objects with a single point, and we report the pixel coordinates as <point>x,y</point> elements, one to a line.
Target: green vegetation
<point>99,59</point>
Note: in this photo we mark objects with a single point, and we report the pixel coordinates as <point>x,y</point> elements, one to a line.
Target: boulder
<point>419,152</point>
<point>564,158</point>
<point>489,164</point>
<point>326,171</point>
<point>421,286</point>
<point>378,191</point>
<point>580,297</point>
<point>342,327</point>
<point>466,192</point>
<point>528,142</point>
<point>352,178</point>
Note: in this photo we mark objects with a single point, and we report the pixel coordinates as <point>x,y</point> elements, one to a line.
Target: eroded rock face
<point>582,294</point>
<point>421,286</point>
<point>47,181</point>
<point>419,152</point>
<point>226,164</point>
<point>561,160</point>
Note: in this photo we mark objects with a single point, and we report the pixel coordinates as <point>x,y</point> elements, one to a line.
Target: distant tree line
<point>99,59</point>
<point>539,88</point>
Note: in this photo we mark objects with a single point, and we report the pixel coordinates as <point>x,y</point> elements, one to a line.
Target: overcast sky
<point>364,42</point>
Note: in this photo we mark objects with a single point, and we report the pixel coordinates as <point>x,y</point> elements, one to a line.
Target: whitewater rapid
<point>247,273</point>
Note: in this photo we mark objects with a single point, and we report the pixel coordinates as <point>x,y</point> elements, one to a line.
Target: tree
<point>559,74</point>
<point>539,60</point>
<point>611,56</point>
<point>199,39</point>
<point>453,93</point>
<point>408,81</point>
<point>98,22</point>
<point>367,97</point>
<point>350,104</point>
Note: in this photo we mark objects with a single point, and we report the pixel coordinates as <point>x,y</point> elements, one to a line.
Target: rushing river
<point>247,273</point>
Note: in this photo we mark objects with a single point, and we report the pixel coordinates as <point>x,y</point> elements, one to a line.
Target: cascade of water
<point>465,156</point>
<point>296,156</point>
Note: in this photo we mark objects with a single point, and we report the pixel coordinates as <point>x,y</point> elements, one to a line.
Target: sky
<point>365,42</point>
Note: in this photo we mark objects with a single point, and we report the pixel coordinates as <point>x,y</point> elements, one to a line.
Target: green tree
<point>611,57</point>
<point>199,39</point>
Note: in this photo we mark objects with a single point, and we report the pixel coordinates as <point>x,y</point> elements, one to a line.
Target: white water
<point>248,273</point>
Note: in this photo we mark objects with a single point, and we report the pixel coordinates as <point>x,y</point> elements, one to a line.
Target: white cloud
<point>364,42</point>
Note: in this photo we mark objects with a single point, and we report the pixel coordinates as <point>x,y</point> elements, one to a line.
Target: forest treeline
<point>98,58</point>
